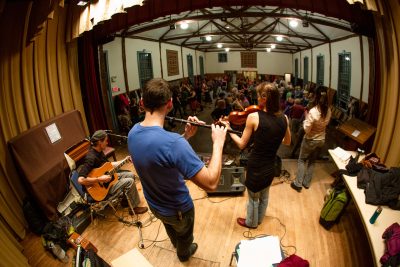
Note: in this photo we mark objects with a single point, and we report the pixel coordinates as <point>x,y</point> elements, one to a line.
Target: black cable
<point>248,234</point>
<point>153,241</point>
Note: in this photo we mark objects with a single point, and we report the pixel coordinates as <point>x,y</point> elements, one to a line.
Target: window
<point>222,57</point>
<point>343,93</point>
<point>296,70</point>
<point>172,62</point>
<point>201,62</point>
<point>145,68</point>
<point>189,59</point>
<point>248,59</point>
<point>320,70</point>
<point>305,74</point>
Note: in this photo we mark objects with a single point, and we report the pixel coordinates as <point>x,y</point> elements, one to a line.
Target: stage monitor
<point>231,181</point>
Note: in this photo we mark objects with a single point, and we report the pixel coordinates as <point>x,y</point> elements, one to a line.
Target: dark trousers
<point>180,230</point>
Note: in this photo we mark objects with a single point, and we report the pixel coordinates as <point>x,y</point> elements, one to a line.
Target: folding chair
<point>74,155</point>
<point>95,206</point>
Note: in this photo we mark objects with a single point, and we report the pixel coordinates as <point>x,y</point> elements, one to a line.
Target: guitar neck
<point>116,168</point>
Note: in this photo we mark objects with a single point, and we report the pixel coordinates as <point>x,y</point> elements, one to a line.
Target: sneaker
<point>138,210</point>
<point>242,222</point>
<point>295,187</point>
<point>192,249</point>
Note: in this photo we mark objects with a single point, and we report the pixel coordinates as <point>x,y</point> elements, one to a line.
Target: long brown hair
<point>269,91</point>
<point>321,100</point>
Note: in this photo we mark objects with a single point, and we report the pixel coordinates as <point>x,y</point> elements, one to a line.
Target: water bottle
<point>375,215</point>
<point>59,252</point>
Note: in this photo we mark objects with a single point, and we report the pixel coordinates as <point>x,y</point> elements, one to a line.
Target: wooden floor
<point>291,216</point>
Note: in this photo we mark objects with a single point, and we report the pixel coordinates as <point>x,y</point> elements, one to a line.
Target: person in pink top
<point>314,139</point>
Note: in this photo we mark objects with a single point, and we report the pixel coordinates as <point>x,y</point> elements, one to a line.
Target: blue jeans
<point>256,207</point>
<point>179,229</point>
<point>309,151</point>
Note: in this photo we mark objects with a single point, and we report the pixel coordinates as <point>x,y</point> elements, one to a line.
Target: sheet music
<point>260,252</point>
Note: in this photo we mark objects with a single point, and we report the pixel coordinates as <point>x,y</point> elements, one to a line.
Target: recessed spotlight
<point>208,38</point>
<point>227,27</point>
<point>268,49</point>
<point>279,38</point>
<point>293,23</point>
<point>227,49</point>
<point>184,25</point>
<point>219,45</point>
<point>273,46</point>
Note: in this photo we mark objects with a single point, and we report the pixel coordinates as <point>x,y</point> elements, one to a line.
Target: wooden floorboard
<point>291,216</point>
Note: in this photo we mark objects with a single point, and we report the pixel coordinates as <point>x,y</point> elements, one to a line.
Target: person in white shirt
<point>314,139</point>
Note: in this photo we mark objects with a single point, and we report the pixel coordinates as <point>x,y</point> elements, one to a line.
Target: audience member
<point>314,139</point>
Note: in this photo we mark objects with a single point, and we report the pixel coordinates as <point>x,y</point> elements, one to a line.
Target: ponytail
<point>321,100</point>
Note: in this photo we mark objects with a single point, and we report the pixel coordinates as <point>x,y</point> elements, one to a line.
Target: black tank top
<point>267,139</point>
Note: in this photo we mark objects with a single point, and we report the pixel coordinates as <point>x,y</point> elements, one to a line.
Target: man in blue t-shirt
<point>164,160</point>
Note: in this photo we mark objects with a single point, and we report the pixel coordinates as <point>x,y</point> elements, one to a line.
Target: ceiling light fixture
<point>293,23</point>
<point>184,25</point>
<point>82,3</point>
<point>219,45</point>
<point>268,49</point>
<point>279,38</point>
<point>273,46</point>
<point>208,38</point>
<point>227,49</point>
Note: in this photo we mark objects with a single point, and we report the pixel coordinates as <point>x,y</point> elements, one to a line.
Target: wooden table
<point>385,219</point>
<point>357,130</point>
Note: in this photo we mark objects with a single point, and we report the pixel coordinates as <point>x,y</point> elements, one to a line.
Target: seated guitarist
<point>95,158</point>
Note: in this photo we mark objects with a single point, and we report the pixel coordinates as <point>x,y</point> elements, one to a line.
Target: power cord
<point>249,235</point>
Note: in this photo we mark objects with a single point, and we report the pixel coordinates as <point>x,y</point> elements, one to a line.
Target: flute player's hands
<point>190,129</point>
<point>218,134</point>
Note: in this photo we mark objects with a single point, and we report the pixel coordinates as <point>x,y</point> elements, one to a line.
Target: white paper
<point>53,133</point>
<point>342,154</point>
<point>356,133</point>
<point>229,162</point>
<point>260,252</point>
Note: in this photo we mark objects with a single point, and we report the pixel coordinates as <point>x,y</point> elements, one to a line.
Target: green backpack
<point>335,203</point>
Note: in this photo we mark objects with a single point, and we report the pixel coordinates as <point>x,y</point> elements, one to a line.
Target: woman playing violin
<point>270,128</point>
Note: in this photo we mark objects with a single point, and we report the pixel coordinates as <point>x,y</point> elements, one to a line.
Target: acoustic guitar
<point>98,191</point>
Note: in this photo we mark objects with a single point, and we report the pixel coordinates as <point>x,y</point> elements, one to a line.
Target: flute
<point>199,124</point>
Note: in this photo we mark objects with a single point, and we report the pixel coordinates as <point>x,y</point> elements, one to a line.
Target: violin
<point>240,117</point>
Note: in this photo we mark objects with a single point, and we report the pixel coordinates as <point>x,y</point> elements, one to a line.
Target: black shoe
<point>192,250</point>
<point>295,187</point>
<point>306,187</point>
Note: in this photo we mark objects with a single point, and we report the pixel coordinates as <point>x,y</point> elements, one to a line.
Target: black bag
<point>34,216</point>
<point>90,257</point>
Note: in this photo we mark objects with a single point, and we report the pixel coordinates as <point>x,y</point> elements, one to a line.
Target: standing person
<point>269,128</point>
<point>164,160</point>
<point>314,139</point>
<point>95,158</point>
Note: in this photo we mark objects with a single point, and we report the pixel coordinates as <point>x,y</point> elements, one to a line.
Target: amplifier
<point>231,181</point>
<point>80,219</point>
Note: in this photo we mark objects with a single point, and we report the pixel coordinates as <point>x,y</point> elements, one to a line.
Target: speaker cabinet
<point>231,181</point>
